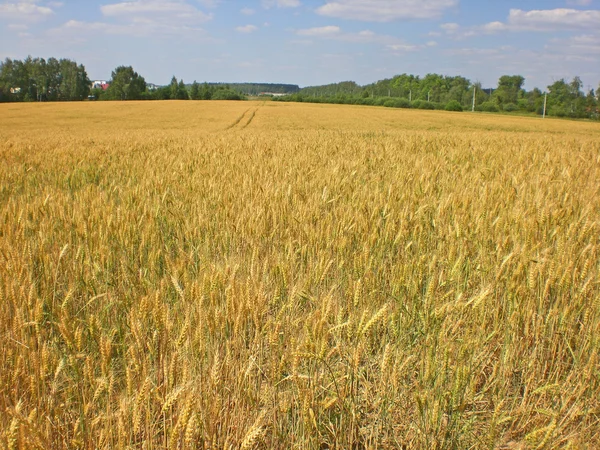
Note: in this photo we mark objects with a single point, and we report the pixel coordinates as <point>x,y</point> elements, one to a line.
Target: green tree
<point>206,92</point>
<point>182,92</point>
<point>74,82</point>
<point>509,88</point>
<point>195,91</point>
<point>174,88</point>
<point>125,84</point>
<point>567,99</point>
<point>54,78</point>
<point>36,79</point>
<point>459,91</point>
<point>162,93</point>
<point>480,95</point>
<point>590,100</point>
<point>14,79</point>
<point>432,87</point>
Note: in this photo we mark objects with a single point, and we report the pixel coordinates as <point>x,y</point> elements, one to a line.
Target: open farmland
<point>218,275</point>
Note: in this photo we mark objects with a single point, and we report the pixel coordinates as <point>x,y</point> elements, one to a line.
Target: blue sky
<point>309,42</point>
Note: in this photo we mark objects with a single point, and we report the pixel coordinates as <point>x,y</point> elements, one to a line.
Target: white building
<point>100,84</point>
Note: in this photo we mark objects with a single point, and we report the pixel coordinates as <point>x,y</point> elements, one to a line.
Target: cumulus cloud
<point>403,47</point>
<point>385,10</point>
<point>585,45</point>
<point>281,3</point>
<point>390,43</point>
<point>137,28</point>
<point>319,31</point>
<point>143,18</point>
<point>25,11</point>
<point>548,20</point>
<point>179,10</point>
<point>450,27</point>
<point>246,29</point>
<point>553,19</point>
<point>17,27</point>
<point>579,2</point>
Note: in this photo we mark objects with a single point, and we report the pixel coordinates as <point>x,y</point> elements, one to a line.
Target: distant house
<point>151,86</point>
<point>271,94</point>
<point>100,84</point>
<point>16,90</point>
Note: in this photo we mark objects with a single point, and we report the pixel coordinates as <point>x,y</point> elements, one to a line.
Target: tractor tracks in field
<point>238,120</point>
<point>250,119</point>
<point>243,121</point>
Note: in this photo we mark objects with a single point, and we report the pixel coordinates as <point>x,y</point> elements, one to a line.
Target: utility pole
<point>389,92</point>
<point>410,95</point>
<point>428,96</point>
<point>545,99</point>
<point>474,92</point>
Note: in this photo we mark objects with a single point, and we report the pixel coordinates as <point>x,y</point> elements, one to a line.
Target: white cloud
<point>403,47</point>
<point>587,44</point>
<point>144,18</point>
<point>366,33</point>
<point>209,3</point>
<point>247,11</point>
<point>254,64</point>
<point>579,2</point>
<point>246,29</point>
<point>385,10</point>
<point>553,19</point>
<point>141,27</point>
<point>24,10</point>
<point>390,43</point>
<point>165,11</point>
<point>450,27</point>
<point>301,42</point>
<point>137,28</point>
<point>17,27</point>
<point>549,20</point>
<point>400,48</point>
<point>494,27</point>
<point>329,30</point>
<point>281,3</point>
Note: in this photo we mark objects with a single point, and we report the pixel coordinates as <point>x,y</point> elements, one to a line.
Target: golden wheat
<point>266,275</point>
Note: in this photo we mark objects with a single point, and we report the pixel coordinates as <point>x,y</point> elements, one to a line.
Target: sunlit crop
<point>212,275</point>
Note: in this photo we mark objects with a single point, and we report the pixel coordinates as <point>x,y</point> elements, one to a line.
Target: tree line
<point>456,93</point>
<point>126,84</point>
<point>255,89</point>
<point>37,79</point>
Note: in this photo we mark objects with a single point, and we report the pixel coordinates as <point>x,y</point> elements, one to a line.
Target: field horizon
<point>247,275</point>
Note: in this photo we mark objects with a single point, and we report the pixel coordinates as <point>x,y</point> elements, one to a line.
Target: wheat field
<point>245,275</point>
